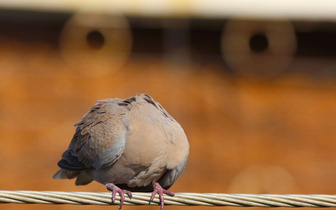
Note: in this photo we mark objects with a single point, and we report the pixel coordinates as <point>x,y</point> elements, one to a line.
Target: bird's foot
<point>157,189</point>
<point>121,193</point>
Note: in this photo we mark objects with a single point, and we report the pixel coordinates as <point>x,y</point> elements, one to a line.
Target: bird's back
<point>130,142</point>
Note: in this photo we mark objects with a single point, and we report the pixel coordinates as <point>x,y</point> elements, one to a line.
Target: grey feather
<point>130,142</point>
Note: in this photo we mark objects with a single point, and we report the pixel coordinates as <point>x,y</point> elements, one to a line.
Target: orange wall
<point>246,136</point>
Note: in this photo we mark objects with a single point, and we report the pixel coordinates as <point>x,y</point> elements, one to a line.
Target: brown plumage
<point>131,144</point>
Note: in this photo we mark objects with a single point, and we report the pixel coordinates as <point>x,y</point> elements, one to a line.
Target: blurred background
<point>253,84</point>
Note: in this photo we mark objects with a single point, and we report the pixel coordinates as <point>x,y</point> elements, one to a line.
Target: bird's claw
<point>121,193</point>
<point>157,189</point>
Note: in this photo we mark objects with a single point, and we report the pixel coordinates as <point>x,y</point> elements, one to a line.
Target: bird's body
<point>130,143</point>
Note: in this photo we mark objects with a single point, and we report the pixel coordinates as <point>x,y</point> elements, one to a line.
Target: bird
<point>129,145</point>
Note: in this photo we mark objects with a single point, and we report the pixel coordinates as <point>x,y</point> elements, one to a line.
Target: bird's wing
<point>100,137</point>
<point>168,179</point>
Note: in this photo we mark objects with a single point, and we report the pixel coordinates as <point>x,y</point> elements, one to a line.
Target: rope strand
<point>181,199</point>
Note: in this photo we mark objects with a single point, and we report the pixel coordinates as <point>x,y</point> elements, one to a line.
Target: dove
<point>129,145</point>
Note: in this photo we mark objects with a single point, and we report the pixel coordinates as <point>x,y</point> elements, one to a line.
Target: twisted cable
<point>181,199</point>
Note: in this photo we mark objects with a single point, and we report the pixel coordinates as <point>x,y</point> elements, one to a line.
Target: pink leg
<point>121,192</point>
<point>157,189</point>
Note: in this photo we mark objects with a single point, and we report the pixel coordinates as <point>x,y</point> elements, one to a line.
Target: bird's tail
<point>82,177</point>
